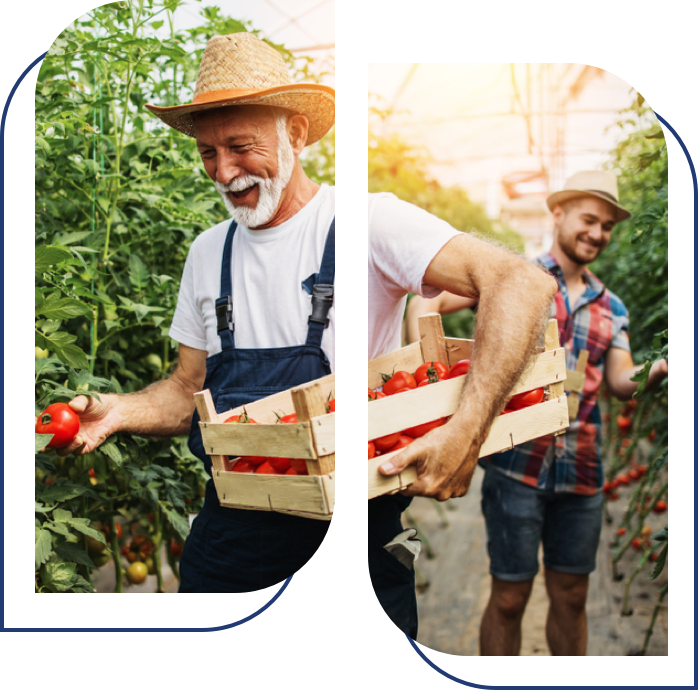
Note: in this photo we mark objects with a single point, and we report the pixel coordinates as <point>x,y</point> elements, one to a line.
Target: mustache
<point>239,184</point>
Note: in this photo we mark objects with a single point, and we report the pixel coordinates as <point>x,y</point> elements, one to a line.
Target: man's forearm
<point>163,409</point>
<point>622,386</point>
<point>510,324</point>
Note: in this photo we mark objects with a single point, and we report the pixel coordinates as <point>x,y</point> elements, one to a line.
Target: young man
<point>549,490</point>
<point>411,250</point>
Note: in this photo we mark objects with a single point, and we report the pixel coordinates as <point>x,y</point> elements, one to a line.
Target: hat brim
<point>314,101</point>
<point>568,194</point>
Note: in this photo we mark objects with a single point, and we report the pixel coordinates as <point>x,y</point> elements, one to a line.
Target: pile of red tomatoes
<point>258,464</point>
<point>426,374</point>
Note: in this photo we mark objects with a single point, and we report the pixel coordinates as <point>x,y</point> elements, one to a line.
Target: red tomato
<point>636,544</point>
<point>329,406</point>
<point>459,369</point>
<point>281,465</point>
<point>371,449</point>
<point>60,420</point>
<point>176,549</point>
<point>623,479</point>
<point>421,429</point>
<point>660,507</point>
<point>521,400</point>
<point>243,418</point>
<point>621,531</point>
<point>266,468</point>
<point>92,473</point>
<point>290,470</point>
<point>634,475</point>
<point>398,381</point>
<point>299,465</point>
<point>254,460</point>
<point>654,556</point>
<point>430,371</point>
<point>624,424</point>
<point>402,442</point>
<point>106,531</point>
<point>287,419</point>
<point>372,395</point>
<point>613,496</point>
<point>242,466</point>
<point>651,437</point>
<point>385,442</point>
<point>425,382</point>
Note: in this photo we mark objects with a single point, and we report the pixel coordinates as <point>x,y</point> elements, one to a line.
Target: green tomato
<point>39,353</point>
<point>99,559</point>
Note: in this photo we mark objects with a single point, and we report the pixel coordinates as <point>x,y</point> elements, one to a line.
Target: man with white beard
<point>254,314</point>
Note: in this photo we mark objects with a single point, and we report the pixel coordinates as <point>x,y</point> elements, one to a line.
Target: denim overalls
<point>393,583</point>
<point>231,550</point>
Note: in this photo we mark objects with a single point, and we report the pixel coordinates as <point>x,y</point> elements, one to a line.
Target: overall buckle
<point>224,314</point>
<point>323,296</point>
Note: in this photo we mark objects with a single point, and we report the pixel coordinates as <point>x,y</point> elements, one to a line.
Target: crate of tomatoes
<point>276,453</point>
<point>417,388</point>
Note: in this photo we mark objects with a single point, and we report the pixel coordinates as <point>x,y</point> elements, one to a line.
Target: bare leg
<point>500,629</point>
<point>566,627</point>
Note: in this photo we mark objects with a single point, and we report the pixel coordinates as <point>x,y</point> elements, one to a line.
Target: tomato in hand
<point>422,429</point>
<point>60,420</point>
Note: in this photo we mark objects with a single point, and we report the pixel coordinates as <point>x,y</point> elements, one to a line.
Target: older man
<point>549,490</point>
<point>411,250</point>
<point>249,319</point>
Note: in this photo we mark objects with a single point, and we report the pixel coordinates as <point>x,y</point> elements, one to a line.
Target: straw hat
<point>241,69</point>
<point>598,183</point>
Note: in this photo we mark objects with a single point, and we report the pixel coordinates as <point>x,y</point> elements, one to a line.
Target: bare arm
<point>514,302</point>
<point>619,368</point>
<point>163,409</point>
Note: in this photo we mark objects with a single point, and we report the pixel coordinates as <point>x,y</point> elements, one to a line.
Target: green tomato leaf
<point>42,547</point>
<point>59,491</point>
<point>660,562</point>
<point>178,522</point>
<point>59,576</point>
<point>111,450</point>
<point>73,553</point>
<point>662,535</point>
<point>41,441</point>
<point>66,308</point>
<point>45,257</point>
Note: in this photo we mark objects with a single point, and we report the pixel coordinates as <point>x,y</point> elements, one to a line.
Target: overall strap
<point>224,304</point>
<point>323,293</point>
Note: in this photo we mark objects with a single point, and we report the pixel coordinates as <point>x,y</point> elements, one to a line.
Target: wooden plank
<point>379,485</point>
<point>578,378</point>
<point>307,496</point>
<point>207,413</point>
<point>323,433</point>
<point>269,440</point>
<point>552,342</point>
<point>458,348</point>
<point>309,403</point>
<point>432,339</point>
<point>507,431</point>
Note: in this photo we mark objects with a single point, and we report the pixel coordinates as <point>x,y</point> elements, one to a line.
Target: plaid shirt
<point>598,322</point>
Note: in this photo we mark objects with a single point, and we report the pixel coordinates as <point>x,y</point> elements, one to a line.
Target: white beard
<point>270,189</point>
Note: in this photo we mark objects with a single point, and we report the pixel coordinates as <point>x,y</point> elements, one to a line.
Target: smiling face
<point>246,152</point>
<point>583,228</point>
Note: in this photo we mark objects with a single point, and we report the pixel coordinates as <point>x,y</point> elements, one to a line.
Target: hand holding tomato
<point>97,420</point>
<point>445,459</point>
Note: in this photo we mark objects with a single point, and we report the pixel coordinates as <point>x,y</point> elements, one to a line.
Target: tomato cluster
<point>257,464</point>
<point>426,374</point>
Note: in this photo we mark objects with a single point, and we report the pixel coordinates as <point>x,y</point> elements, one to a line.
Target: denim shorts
<point>519,518</point>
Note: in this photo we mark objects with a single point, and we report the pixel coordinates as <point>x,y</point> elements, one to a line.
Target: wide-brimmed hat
<point>241,69</point>
<point>599,183</point>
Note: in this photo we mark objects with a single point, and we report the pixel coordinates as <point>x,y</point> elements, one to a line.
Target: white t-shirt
<point>270,306</point>
<point>402,241</point>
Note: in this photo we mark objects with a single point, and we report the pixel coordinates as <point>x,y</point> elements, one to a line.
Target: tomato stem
<point>114,543</point>
<point>156,551</point>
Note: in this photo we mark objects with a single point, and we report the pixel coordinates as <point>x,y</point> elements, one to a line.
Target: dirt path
<point>451,605</point>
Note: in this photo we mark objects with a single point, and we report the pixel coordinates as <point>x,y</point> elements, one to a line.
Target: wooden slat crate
<point>404,410</point>
<point>311,439</point>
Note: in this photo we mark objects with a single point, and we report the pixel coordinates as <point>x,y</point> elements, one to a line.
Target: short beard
<point>270,189</point>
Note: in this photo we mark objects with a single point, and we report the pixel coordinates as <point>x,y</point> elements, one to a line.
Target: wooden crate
<point>312,439</point>
<point>398,412</point>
